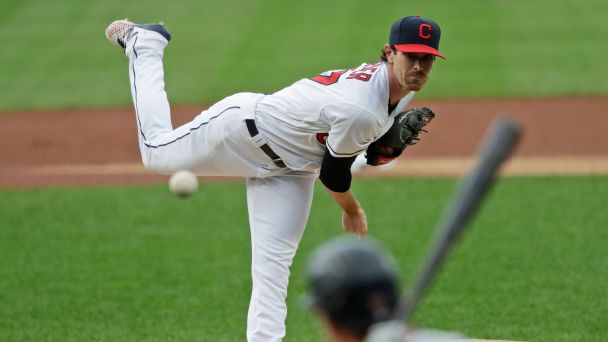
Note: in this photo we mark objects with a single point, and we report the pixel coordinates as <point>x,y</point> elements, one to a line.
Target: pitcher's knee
<point>152,162</point>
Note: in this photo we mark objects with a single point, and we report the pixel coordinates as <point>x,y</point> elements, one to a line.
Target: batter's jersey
<point>345,110</point>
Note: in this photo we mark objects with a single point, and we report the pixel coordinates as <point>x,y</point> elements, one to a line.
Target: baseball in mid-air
<point>183,183</point>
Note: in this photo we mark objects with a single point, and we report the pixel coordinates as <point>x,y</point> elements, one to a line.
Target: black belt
<point>253,131</point>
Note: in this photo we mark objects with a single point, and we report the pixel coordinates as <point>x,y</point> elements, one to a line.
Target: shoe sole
<point>113,29</point>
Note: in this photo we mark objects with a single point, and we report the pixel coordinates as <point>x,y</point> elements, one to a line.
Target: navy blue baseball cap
<point>416,34</point>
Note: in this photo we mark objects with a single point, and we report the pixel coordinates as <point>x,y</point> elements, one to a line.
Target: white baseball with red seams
<point>346,109</point>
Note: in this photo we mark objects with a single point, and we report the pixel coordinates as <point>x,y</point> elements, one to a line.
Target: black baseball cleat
<point>120,32</point>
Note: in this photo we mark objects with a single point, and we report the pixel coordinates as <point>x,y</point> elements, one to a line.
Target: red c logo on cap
<point>421,31</point>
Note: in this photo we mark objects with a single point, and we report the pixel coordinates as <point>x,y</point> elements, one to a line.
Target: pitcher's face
<point>411,70</point>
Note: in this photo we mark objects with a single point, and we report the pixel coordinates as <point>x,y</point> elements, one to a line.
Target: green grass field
<point>55,55</point>
<point>136,264</point>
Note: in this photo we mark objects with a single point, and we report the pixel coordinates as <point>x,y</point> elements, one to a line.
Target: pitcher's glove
<point>402,133</point>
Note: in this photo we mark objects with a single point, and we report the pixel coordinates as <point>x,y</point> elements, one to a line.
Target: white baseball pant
<point>217,143</point>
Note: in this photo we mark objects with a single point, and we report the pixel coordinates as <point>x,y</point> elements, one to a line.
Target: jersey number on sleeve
<point>329,77</point>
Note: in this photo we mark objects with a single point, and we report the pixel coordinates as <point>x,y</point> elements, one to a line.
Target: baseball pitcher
<point>281,143</point>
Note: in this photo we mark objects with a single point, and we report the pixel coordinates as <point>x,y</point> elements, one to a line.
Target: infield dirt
<point>99,146</point>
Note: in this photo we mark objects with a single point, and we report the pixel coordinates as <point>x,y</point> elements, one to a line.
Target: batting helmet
<point>354,282</point>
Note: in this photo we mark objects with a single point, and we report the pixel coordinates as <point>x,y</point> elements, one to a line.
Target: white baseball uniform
<point>345,110</point>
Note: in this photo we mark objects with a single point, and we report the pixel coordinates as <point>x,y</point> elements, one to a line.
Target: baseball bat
<point>495,149</point>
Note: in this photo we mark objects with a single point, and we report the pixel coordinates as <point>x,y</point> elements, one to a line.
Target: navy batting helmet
<point>354,282</point>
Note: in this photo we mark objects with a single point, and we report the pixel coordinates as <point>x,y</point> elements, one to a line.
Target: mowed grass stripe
<point>56,55</point>
<point>135,263</point>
